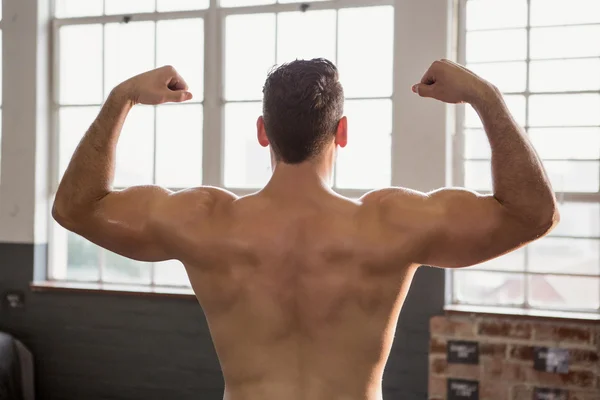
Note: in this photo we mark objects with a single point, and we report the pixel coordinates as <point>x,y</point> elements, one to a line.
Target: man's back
<point>302,288</point>
<point>301,296</point>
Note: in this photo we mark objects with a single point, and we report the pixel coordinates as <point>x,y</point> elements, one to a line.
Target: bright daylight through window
<point>545,56</point>
<point>100,43</point>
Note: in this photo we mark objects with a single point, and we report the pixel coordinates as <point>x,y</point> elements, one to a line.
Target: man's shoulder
<point>198,201</point>
<point>205,194</point>
<point>391,195</point>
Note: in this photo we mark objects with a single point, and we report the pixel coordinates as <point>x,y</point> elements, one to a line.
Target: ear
<point>261,133</point>
<point>341,135</point>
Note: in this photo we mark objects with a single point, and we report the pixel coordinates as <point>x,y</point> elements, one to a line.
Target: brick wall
<point>506,352</point>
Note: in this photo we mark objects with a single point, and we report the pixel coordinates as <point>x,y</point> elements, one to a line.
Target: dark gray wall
<point>99,346</point>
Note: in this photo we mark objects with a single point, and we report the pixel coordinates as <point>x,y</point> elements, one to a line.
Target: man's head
<point>303,107</point>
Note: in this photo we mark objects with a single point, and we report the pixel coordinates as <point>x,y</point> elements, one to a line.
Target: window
<point>100,43</point>
<point>541,54</point>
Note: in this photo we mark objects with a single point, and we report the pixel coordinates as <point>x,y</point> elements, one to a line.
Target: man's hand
<point>154,87</point>
<point>452,83</point>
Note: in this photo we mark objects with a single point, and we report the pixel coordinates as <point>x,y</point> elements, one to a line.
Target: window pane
<point>575,256</point>
<point>564,75</point>
<point>365,163</point>
<point>247,164</point>
<point>480,287</point>
<point>82,259</point>
<point>478,175</point>
<point>180,5</point>
<point>566,143</point>
<point>365,49</point>
<point>187,56</point>
<point>574,176</point>
<point>515,104</point>
<point>78,8</point>
<point>135,151</point>
<point>564,292</point>
<point>564,42</point>
<point>564,12</point>
<point>170,273</point>
<point>507,76</point>
<point>249,54</point>
<point>129,6</point>
<point>119,269</point>
<point>578,219</point>
<point>513,261</point>
<point>80,64</point>
<point>509,45</point>
<point>477,144</point>
<point>179,145</point>
<point>243,3</point>
<point>316,41</point>
<point>494,14</point>
<point>564,110</point>
<point>73,124</point>
<point>298,1</point>
<point>0,69</point>
<point>129,51</point>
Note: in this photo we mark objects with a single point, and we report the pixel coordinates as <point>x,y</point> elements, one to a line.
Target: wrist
<point>485,94</point>
<point>123,95</point>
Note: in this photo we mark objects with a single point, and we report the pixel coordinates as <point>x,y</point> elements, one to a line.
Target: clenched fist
<point>161,85</point>
<point>452,83</point>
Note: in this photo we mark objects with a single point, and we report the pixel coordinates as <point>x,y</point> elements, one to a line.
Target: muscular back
<point>301,297</point>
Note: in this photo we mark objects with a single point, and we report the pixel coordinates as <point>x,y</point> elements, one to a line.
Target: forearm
<point>90,173</point>
<point>520,182</point>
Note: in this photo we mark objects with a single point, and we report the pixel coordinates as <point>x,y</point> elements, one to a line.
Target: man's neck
<point>309,176</point>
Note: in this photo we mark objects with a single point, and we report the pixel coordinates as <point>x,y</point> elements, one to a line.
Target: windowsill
<point>455,309</point>
<point>112,288</point>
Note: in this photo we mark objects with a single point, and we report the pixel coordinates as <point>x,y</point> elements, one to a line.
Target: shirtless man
<point>301,287</point>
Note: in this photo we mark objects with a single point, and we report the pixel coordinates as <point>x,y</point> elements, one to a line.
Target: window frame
<point>458,174</point>
<point>213,103</point>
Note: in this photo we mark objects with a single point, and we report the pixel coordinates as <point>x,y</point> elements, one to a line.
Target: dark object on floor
<point>16,370</point>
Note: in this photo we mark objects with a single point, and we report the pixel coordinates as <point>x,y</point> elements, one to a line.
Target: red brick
<point>588,395</point>
<point>498,369</point>
<point>521,392</point>
<point>437,387</point>
<point>492,349</point>
<point>439,366</point>
<point>579,379</point>
<point>437,346</point>
<point>493,390</point>
<point>457,327</point>
<point>583,358</point>
<point>563,333</point>
<point>521,353</point>
<point>505,329</point>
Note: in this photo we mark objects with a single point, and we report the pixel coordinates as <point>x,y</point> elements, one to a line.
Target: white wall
<point>24,162</point>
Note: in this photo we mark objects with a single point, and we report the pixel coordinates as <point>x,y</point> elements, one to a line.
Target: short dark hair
<point>303,103</point>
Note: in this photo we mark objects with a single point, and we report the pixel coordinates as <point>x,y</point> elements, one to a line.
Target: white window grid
<point>213,102</point>
<point>458,171</point>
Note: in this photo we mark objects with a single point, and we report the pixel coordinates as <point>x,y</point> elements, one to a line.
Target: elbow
<point>61,214</point>
<point>67,216</point>
<point>546,219</point>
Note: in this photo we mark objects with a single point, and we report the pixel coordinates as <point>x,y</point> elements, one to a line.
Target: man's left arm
<point>125,221</point>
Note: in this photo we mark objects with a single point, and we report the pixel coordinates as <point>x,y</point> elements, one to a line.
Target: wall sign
<point>460,389</point>
<point>461,352</point>
<point>550,359</point>
<point>550,394</point>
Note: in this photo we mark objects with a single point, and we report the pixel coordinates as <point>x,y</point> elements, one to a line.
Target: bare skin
<point>301,287</point>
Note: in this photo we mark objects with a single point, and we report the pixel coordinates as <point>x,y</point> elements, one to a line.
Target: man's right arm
<point>456,227</point>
